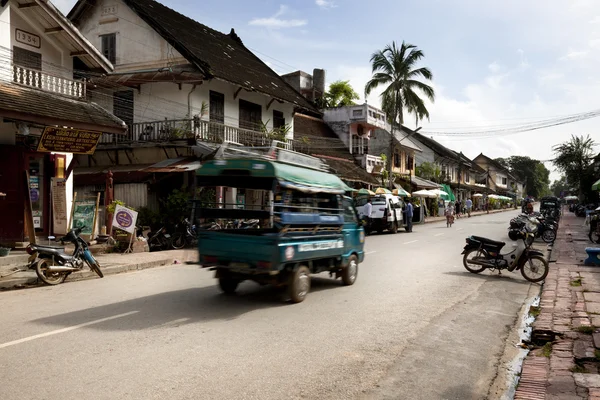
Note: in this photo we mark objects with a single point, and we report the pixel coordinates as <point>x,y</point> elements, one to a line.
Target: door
<point>12,179</point>
<point>250,116</point>
<point>216,111</point>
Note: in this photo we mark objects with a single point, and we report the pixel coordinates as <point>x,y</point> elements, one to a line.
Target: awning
<point>423,183</point>
<point>182,164</point>
<point>596,186</point>
<point>448,190</point>
<point>45,108</point>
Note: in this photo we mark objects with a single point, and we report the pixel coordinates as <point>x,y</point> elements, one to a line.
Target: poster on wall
<point>124,218</point>
<point>84,213</point>
<point>59,206</point>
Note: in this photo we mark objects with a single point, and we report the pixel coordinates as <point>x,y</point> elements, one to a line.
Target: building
<point>45,116</point>
<point>500,180</point>
<point>310,86</point>
<point>183,89</point>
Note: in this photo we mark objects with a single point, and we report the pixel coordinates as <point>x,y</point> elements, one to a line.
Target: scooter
<point>180,239</point>
<point>481,253</point>
<point>53,265</point>
<point>159,240</point>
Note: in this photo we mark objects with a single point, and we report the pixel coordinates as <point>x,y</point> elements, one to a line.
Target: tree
<point>559,186</point>
<point>574,158</point>
<point>395,68</point>
<point>429,171</point>
<point>533,173</point>
<point>340,94</point>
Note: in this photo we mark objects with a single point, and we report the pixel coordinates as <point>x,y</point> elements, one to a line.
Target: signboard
<point>124,219</point>
<point>65,140</point>
<point>59,206</point>
<point>27,38</point>
<point>84,213</point>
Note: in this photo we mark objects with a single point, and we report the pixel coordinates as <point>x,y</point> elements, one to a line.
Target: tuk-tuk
<point>302,223</point>
<point>550,205</point>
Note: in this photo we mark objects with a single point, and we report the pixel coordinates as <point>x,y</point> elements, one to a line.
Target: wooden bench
<point>593,256</point>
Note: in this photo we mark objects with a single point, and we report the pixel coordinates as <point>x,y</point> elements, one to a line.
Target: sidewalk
<point>429,220</point>
<point>17,276</point>
<point>566,360</point>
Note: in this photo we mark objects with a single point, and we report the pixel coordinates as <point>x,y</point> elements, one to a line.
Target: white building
<point>177,83</point>
<point>41,90</point>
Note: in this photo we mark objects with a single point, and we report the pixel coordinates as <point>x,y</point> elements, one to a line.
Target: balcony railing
<point>49,83</point>
<point>196,130</point>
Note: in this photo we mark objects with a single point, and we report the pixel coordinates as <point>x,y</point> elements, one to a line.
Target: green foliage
<point>147,217</point>
<point>340,94</point>
<point>429,171</point>
<point>176,205</point>
<point>560,186</point>
<point>395,68</point>
<point>547,350</point>
<point>111,207</point>
<point>279,134</point>
<point>574,158</point>
<point>532,172</point>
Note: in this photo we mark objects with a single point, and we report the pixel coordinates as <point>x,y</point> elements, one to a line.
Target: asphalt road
<point>416,325</point>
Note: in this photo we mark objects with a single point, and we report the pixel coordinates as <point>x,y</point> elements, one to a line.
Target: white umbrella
<point>438,192</point>
<point>424,193</point>
<point>477,195</point>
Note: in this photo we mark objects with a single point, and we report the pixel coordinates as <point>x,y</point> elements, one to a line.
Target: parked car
<point>387,213</point>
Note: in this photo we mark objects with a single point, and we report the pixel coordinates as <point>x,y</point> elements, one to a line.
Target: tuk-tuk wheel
<point>299,285</point>
<point>228,285</point>
<point>350,273</point>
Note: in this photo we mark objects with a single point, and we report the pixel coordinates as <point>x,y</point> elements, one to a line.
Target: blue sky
<point>495,63</point>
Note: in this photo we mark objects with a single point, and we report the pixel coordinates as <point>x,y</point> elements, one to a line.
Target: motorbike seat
<point>57,251</point>
<point>489,241</point>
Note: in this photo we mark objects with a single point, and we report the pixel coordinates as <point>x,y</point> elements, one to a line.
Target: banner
<point>59,206</point>
<point>125,219</point>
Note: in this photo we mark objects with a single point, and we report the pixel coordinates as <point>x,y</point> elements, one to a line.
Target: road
<point>416,325</point>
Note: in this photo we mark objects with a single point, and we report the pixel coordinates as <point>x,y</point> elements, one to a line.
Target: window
<point>278,120</point>
<point>467,178</point>
<point>109,47</point>
<point>504,181</point>
<point>357,113</point>
<point>123,106</point>
<point>409,162</point>
<point>27,59</point>
<point>250,115</point>
<point>397,160</point>
<point>349,211</point>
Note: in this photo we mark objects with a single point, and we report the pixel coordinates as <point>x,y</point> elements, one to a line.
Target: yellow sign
<point>65,140</point>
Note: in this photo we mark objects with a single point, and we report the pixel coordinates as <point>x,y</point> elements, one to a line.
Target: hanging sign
<point>66,140</point>
<point>124,219</point>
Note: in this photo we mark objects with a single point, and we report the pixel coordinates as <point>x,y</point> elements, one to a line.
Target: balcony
<point>372,164</point>
<point>373,117</point>
<point>48,83</point>
<point>193,130</point>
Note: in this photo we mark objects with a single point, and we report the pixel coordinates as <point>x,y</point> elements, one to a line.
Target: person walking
<point>449,213</point>
<point>367,212</point>
<point>469,204</point>
<point>457,209</point>
<point>409,215</point>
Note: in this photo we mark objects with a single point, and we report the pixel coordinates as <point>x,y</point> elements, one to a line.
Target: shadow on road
<point>487,276</point>
<point>201,304</point>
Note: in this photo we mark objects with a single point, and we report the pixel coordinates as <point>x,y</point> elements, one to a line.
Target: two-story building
<point>45,116</point>
<point>183,89</point>
<point>499,175</point>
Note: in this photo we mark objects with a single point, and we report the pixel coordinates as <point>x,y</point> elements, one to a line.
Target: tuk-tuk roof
<point>290,176</point>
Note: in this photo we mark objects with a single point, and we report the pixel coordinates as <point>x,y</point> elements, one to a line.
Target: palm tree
<point>574,158</point>
<point>396,68</point>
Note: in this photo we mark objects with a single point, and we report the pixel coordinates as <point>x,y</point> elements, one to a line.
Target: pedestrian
<point>457,208</point>
<point>367,211</point>
<point>409,215</point>
<point>469,204</point>
<point>449,213</point>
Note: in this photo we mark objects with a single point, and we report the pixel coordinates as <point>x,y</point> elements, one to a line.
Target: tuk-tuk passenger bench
<point>593,256</point>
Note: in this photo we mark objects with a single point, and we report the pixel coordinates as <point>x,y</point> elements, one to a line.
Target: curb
<point>27,279</point>
<point>472,216</point>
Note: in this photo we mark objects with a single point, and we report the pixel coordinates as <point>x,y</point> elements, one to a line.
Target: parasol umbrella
<point>366,192</point>
<point>477,195</point>
<point>441,193</point>
<point>424,193</point>
<point>382,191</point>
<point>400,192</point>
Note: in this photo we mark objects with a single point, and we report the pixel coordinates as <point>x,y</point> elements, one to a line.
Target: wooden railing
<point>194,130</point>
<point>49,83</point>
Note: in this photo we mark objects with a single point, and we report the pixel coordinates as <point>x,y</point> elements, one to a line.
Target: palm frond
<point>423,71</point>
<point>423,87</point>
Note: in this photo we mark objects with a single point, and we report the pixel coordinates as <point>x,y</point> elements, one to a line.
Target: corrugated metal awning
<point>183,164</point>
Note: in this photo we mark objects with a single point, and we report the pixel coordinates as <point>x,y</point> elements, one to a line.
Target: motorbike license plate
<point>167,235</point>
<point>239,265</point>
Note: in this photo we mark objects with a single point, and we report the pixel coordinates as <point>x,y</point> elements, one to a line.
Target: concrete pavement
<point>416,325</point>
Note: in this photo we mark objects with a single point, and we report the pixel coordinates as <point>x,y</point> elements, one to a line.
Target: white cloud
<point>494,67</point>
<point>595,20</point>
<point>325,3</point>
<point>575,55</point>
<point>275,22</point>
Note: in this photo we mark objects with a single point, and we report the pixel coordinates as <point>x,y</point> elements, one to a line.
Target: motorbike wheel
<point>470,255</point>
<point>549,236</point>
<point>50,278</point>
<point>178,240</point>
<point>594,237</point>
<point>535,272</point>
<point>95,267</point>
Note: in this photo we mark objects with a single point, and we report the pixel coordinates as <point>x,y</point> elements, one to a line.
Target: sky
<point>495,63</point>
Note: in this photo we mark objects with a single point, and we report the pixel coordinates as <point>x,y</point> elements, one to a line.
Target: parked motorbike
<point>246,224</point>
<point>159,240</point>
<point>542,228</point>
<point>482,253</point>
<point>53,265</point>
<point>594,233</point>
<point>187,237</point>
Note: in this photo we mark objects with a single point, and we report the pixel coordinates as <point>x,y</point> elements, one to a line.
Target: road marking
<point>500,313</point>
<point>71,328</point>
<point>173,323</point>
<point>412,241</point>
<point>439,234</point>
<point>370,252</point>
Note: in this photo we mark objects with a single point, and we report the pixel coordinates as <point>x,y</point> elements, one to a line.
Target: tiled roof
<point>322,142</point>
<point>436,147</point>
<point>216,54</point>
<point>34,105</point>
